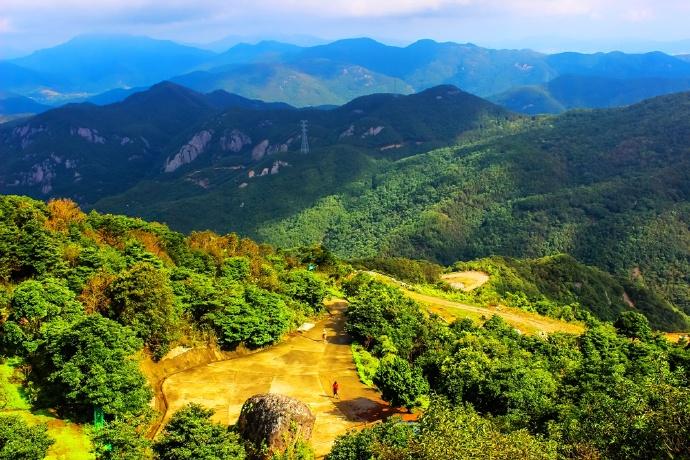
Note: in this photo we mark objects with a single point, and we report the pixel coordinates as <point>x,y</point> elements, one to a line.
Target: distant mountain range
<point>89,152</point>
<point>106,69</point>
<point>582,91</point>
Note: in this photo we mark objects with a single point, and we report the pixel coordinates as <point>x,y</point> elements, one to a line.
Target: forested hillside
<point>615,392</point>
<point>569,92</point>
<point>82,294</point>
<point>608,187</point>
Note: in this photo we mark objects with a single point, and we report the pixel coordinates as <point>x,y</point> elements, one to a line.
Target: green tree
<point>389,440</point>
<point>19,441</point>
<point>400,383</point>
<point>448,433</point>
<point>142,298</point>
<point>257,318</point>
<point>35,305</point>
<point>237,268</point>
<point>122,440</point>
<point>191,435</point>
<point>91,365</point>
<point>306,287</point>
<point>634,325</point>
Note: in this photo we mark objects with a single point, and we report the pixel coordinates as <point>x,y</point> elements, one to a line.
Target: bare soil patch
<point>466,281</point>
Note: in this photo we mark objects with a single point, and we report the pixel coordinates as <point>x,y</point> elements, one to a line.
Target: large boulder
<point>272,422</point>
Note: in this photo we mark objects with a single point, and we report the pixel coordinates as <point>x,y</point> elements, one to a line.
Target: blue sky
<point>544,24</point>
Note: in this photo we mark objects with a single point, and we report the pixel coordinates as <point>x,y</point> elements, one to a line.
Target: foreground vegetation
<point>618,391</point>
<point>84,296</point>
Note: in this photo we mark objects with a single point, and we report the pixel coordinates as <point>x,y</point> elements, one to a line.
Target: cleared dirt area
<point>303,366</point>
<point>466,281</point>
<point>675,337</point>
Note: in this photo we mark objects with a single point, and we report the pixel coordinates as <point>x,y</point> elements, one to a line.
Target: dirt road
<point>526,322</point>
<point>303,366</point>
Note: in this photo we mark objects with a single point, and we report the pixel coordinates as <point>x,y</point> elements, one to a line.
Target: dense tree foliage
<point>91,366</point>
<point>143,299</point>
<point>614,392</point>
<point>84,296</point>
<point>444,432</point>
<point>191,435</point>
<point>122,439</point>
<point>19,441</point>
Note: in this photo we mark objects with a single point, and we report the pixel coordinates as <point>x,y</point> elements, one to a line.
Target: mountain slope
<point>13,105</point>
<point>579,91</point>
<point>259,175</point>
<point>609,187</point>
<point>83,150</point>
<point>311,83</point>
<point>88,152</point>
<point>17,79</point>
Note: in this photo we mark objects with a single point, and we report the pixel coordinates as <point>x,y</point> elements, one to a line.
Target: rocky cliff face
<point>189,152</point>
<point>234,141</point>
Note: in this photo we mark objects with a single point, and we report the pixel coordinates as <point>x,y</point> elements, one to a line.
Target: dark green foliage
<point>400,383</point>
<point>256,318</point>
<point>26,248</point>
<point>122,439</point>
<point>35,307</point>
<point>606,394</point>
<point>382,441</point>
<point>634,325</point>
<point>444,432</point>
<point>305,287</point>
<point>413,271</point>
<point>143,299</point>
<point>191,435</point>
<point>379,314</point>
<point>91,365</point>
<point>19,441</point>
<point>237,268</point>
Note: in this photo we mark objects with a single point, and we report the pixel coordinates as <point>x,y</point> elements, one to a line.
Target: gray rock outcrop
<point>274,421</point>
<point>189,152</point>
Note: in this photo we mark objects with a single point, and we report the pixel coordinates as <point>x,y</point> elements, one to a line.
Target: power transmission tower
<point>305,139</point>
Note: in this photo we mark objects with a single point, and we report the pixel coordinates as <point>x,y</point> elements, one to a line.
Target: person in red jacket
<point>336,387</point>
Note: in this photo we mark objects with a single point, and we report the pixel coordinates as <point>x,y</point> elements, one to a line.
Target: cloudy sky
<point>544,24</point>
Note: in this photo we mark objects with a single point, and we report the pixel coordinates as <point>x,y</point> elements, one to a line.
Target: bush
<point>191,435</point>
<point>399,382</point>
<point>19,441</point>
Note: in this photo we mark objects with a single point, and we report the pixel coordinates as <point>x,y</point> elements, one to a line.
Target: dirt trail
<point>303,366</point>
<point>526,322</point>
